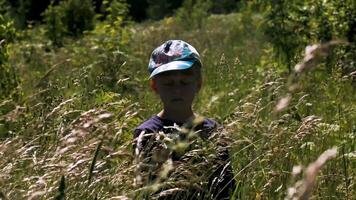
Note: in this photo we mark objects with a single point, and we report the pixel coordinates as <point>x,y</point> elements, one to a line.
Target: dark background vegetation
<point>25,11</point>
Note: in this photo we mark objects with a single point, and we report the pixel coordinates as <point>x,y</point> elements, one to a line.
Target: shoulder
<point>149,123</point>
<point>153,124</point>
<point>207,127</point>
<point>210,123</point>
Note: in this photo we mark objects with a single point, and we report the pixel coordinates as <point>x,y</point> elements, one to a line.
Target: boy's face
<point>177,89</point>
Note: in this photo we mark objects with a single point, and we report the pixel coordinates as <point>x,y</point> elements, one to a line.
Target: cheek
<point>196,87</point>
<point>191,91</point>
<point>163,93</point>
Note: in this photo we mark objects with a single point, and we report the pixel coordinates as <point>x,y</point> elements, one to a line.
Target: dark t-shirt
<point>155,124</point>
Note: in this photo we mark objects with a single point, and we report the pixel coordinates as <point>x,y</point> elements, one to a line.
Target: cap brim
<point>174,65</point>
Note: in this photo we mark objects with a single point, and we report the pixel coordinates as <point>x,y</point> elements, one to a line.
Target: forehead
<point>175,73</point>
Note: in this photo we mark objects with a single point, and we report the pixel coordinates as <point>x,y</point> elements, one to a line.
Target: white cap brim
<point>174,65</point>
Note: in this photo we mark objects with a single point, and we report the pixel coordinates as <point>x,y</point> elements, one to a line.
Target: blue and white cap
<point>172,55</point>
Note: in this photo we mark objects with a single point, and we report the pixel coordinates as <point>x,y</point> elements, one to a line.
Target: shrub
<point>291,26</point>
<point>224,6</point>
<point>8,80</point>
<point>4,7</point>
<point>71,17</point>
<point>193,14</point>
<point>78,16</point>
<point>159,9</point>
<point>117,10</point>
<point>55,29</point>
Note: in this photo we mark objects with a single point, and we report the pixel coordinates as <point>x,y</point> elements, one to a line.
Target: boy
<point>175,75</point>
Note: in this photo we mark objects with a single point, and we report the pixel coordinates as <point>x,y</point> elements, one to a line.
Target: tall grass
<point>68,133</point>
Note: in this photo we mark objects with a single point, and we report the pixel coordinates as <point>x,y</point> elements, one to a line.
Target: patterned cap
<point>172,55</point>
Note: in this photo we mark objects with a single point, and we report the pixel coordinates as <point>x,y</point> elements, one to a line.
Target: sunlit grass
<point>69,133</point>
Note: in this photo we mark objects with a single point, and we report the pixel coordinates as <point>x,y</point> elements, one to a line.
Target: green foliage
<point>4,7</point>
<point>117,10</point>
<point>224,6</point>
<point>8,78</point>
<point>55,29</point>
<point>78,16</point>
<point>291,26</point>
<point>7,35</point>
<point>286,24</point>
<point>70,17</point>
<point>193,13</point>
<point>18,12</point>
<point>158,9</point>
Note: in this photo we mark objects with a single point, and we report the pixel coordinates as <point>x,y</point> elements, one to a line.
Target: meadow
<point>285,96</point>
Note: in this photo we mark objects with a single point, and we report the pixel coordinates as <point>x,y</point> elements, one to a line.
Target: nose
<point>177,89</point>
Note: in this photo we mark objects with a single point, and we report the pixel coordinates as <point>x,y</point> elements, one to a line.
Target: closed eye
<point>168,83</point>
<point>185,82</point>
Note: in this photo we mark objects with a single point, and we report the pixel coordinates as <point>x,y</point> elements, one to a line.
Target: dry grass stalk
<point>312,171</point>
<point>14,114</point>
<point>70,154</point>
<point>2,42</point>
<point>303,189</point>
<point>282,104</point>
<point>57,108</point>
<point>47,74</point>
<point>313,56</point>
<point>314,53</point>
<point>120,198</point>
<point>168,192</point>
<point>309,124</point>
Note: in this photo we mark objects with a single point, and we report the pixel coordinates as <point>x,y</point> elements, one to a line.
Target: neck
<point>179,116</point>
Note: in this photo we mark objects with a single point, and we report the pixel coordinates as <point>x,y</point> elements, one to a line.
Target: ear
<point>153,85</point>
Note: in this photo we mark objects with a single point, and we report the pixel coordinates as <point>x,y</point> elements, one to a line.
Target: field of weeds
<point>288,114</point>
